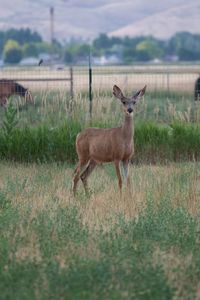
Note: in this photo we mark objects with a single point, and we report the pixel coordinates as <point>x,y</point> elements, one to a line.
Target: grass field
<point>143,246</point>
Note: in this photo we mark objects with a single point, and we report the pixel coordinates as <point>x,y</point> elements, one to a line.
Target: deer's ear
<point>140,93</point>
<point>117,92</point>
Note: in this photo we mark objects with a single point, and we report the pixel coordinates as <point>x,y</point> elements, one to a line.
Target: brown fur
<point>97,145</point>
<point>9,87</point>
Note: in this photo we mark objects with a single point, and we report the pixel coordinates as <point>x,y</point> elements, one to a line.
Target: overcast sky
<point>88,18</point>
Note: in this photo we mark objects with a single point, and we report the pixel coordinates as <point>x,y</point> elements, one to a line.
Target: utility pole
<point>52,24</point>
<point>51,32</point>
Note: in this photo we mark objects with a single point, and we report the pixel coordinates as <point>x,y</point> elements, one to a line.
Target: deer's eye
<point>124,102</point>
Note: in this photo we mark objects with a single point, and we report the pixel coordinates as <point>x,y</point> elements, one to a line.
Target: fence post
<point>168,83</point>
<point>90,87</point>
<point>71,91</point>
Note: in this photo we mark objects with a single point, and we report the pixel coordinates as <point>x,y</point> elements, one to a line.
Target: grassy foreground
<point>143,246</point>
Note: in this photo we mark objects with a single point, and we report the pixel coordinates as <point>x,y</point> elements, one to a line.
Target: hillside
<point>86,19</point>
<point>165,24</point>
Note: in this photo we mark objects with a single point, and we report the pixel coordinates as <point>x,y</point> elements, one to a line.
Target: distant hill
<point>86,19</point>
<point>165,24</point>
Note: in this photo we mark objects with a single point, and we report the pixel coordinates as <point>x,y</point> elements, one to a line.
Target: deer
<point>103,145</point>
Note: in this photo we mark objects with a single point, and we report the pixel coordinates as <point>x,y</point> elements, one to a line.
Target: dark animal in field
<point>10,87</point>
<point>40,62</point>
<point>197,89</point>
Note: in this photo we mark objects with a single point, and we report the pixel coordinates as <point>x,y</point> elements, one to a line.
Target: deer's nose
<point>130,110</point>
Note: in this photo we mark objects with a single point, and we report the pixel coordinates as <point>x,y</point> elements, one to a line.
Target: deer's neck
<point>127,128</point>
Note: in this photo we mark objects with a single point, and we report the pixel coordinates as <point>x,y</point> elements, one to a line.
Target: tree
<point>12,52</point>
<point>186,45</point>
<point>129,55</point>
<point>30,50</point>
<point>148,49</point>
<point>102,42</point>
<point>68,58</point>
<point>23,35</point>
<point>43,47</point>
<point>76,52</point>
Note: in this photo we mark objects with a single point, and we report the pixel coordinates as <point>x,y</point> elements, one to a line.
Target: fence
<point>66,84</point>
<point>39,75</point>
<point>168,78</point>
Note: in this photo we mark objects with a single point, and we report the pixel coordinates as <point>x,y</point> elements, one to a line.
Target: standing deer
<point>98,145</point>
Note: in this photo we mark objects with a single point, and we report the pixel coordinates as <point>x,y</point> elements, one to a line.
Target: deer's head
<point>128,103</point>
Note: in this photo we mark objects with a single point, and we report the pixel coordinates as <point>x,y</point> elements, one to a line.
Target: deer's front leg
<point>127,176</point>
<point>118,175</point>
<point>125,165</point>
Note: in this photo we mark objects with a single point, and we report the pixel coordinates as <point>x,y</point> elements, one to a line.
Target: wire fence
<point>158,78</point>
<point>66,84</point>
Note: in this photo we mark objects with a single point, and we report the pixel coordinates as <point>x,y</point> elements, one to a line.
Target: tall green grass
<point>164,131</point>
<point>52,107</point>
<point>152,142</point>
<point>40,143</point>
<point>165,143</point>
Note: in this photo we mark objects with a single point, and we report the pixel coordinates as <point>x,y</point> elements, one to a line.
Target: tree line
<point>16,44</point>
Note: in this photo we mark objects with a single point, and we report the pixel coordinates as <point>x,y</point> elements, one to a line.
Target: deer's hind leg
<point>77,172</point>
<point>92,164</point>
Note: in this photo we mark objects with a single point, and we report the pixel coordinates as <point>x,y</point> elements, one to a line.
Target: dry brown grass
<point>47,187</point>
<point>43,191</point>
